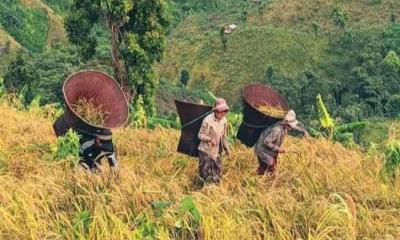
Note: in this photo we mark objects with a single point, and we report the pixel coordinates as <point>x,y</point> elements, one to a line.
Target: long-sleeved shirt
<point>271,139</point>
<point>213,129</point>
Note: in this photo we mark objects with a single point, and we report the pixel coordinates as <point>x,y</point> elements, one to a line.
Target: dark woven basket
<point>104,91</point>
<point>187,111</point>
<point>254,121</point>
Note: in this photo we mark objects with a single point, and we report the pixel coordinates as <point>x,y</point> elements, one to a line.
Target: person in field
<point>213,139</point>
<point>94,147</point>
<point>269,143</point>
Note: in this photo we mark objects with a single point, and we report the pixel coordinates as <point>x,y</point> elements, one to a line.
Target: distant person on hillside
<point>213,139</point>
<point>269,143</point>
<point>94,147</point>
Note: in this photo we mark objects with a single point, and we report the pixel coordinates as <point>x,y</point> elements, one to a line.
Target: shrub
<point>339,16</point>
<point>392,160</point>
<point>184,77</point>
<point>67,145</point>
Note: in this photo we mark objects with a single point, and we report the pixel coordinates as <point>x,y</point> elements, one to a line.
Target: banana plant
<point>325,119</point>
<point>342,133</point>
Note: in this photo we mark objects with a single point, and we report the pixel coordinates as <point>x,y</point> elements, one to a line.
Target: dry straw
<point>272,111</point>
<point>88,110</point>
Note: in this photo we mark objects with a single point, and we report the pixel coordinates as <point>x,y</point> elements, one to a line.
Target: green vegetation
<point>392,160</point>
<point>27,26</point>
<point>138,34</point>
<point>308,47</point>
<point>67,146</point>
<point>61,6</point>
<point>44,73</point>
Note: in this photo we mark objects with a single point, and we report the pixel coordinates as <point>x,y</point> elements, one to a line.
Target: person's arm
<point>204,132</point>
<point>225,142</point>
<point>270,139</point>
<point>299,128</point>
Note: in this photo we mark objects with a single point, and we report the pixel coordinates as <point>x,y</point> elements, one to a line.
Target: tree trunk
<point>119,70</point>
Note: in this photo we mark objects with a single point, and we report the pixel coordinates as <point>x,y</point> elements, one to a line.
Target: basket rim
<point>81,118</point>
<point>286,108</point>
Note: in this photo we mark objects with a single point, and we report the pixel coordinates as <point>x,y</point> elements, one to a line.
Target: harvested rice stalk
<point>272,111</point>
<point>93,114</point>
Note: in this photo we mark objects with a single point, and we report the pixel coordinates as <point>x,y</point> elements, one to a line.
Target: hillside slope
<point>322,191</point>
<point>56,23</point>
<point>5,38</point>
<point>32,24</point>
<point>277,33</point>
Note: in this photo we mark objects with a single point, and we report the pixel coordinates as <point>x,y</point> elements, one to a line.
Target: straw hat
<point>221,105</point>
<point>290,119</point>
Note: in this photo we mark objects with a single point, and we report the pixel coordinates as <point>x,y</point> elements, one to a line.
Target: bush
<point>44,73</point>
<point>2,87</point>
<point>67,145</point>
<point>137,115</point>
<point>21,78</point>
<point>393,106</point>
<point>392,160</point>
<point>339,16</point>
<point>184,77</point>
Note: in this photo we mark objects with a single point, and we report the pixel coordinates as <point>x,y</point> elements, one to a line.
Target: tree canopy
<point>137,30</point>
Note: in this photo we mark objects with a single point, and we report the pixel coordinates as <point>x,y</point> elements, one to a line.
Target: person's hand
<point>213,142</point>
<point>281,150</point>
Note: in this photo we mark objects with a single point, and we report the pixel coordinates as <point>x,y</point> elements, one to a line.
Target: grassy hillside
<point>32,24</point>
<point>322,191</point>
<point>5,38</point>
<point>56,23</point>
<point>279,33</point>
<point>302,13</point>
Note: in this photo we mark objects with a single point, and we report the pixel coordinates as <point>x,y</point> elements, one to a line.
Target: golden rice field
<point>322,191</point>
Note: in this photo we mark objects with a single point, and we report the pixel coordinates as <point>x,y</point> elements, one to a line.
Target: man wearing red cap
<point>213,139</point>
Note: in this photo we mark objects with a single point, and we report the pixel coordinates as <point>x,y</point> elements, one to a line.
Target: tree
<point>392,18</point>
<point>245,13</point>
<point>391,62</point>
<point>269,73</point>
<point>21,78</point>
<point>224,40</point>
<point>339,16</point>
<point>137,30</point>
<point>316,28</point>
<point>393,106</point>
<point>184,78</point>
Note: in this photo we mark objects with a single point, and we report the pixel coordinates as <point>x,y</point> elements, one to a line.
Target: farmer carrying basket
<point>204,135</point>
<point>266,121</point>
<point>88,94</point>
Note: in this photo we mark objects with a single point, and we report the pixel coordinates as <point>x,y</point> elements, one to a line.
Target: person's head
<point>290,121</point>
<point>221,108</point>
